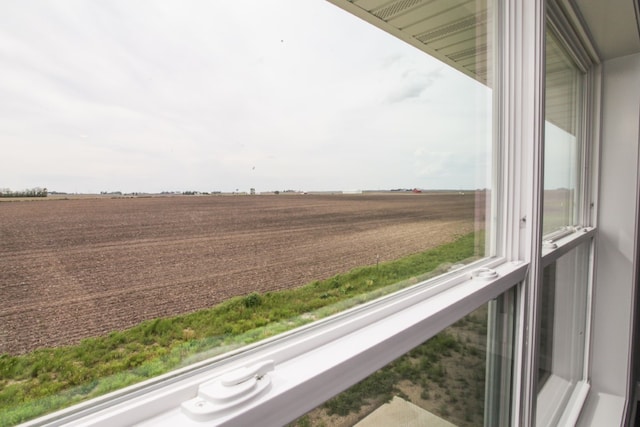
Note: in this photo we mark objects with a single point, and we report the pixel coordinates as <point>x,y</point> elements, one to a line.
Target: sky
<point>152,96</point>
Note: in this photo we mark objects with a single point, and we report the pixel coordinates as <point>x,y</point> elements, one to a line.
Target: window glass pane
<point>461,377</point>
<point>562,330</point>
<point>200,176</point>
<point>562,144</point>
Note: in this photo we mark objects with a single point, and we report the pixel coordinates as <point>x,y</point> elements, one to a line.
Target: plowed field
<point>71,269</point>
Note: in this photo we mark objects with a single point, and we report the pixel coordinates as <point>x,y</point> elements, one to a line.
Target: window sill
<point>602,409</point>
<point>560,401</point>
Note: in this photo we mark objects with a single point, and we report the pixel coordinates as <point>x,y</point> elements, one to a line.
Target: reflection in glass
<point>562,146</point>
<point>562,331</point>
<point>461,377</point>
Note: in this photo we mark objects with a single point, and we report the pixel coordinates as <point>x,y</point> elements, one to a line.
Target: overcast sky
<point>153,96</point>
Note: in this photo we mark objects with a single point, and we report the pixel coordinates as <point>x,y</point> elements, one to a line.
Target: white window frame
<point>558,403</point>
<point>349,346</point>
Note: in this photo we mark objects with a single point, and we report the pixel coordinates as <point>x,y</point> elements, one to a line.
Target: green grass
<point>420,366</point>
<point>48,379</point>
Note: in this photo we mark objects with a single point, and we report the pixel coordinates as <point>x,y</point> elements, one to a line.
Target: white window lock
<point>222,395</point>
<point>484,274</point>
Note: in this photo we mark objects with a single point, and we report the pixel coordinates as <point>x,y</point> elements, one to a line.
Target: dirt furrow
<point>71,269</point>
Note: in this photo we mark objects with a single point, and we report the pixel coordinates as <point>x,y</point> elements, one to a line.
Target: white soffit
<point>454,31</point>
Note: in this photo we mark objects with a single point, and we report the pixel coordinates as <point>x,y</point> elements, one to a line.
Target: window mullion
<point>522,115</point>
<point>591,130</point>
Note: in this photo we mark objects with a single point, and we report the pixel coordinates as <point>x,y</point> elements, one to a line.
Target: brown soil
<point>71,269</point>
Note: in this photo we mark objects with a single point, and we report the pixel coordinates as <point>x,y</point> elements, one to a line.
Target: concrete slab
<point>399,412</point>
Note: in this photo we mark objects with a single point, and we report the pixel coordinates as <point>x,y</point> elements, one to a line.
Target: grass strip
<point>49,379</point>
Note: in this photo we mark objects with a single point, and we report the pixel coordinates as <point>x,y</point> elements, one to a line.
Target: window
<point>565,282</point>
<point>563,332</point>
<point>448,378</point>
<point>345,160</point>
<point>563,85</point>
<point>485,96</point>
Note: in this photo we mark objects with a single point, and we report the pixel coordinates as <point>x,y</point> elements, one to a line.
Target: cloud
<point>413,84</point>
<point>151,96</point>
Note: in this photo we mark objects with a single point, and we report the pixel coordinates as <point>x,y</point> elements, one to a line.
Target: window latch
<point>224,394</point>
<point>484,274</point>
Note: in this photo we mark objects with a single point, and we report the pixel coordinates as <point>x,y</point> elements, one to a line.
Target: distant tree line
<point>30,192</point>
